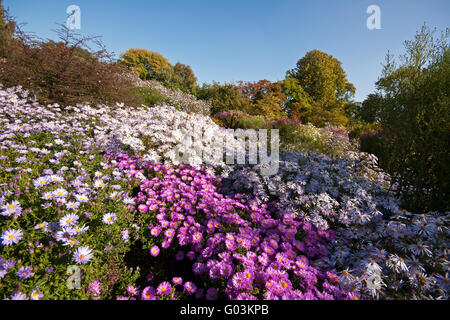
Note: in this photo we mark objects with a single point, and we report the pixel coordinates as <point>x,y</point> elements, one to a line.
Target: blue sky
<point>247,39</point>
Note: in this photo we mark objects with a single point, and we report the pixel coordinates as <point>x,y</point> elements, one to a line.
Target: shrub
<point>66,72</point>
<point>415,118</point>
<point>150,97</point>
<point>223,97</point>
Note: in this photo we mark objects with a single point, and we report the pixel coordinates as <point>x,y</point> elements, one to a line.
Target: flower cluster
<point>62,203</point>
<point>379,249</point>
<point>185,101</point>
<point>254,250</point>
<point>95,196</point>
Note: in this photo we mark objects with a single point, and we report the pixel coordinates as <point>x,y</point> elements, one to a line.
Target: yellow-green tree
<point>148,64</point>
<point>269,106</point>
<point>321,76</point>
<point>7,30</point>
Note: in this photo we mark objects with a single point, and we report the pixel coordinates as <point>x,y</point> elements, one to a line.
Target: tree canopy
<point>322,78</point>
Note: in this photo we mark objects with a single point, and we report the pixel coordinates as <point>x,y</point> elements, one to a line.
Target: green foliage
<point>150,97</point>
<point>321,76</point>
<point>415,109</point>
<point>153,66</point>
<point>298,100</point>
<point>236,119</point>
<point>184,76</point>
<point>359,128</point>
<point>269,107</point>
<point>253,122</point>
<point>223,97</point>
<point>371,107</point>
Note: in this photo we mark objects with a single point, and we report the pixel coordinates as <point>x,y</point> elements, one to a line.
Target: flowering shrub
<point>61,204</point>
<point>380,250</point>
<point>184,101</point>
<point>93,206</point>
<point>243,249</point>
<point>295,136</point>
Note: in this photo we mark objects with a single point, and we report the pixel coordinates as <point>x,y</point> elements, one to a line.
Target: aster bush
<point>99,188</point>
<point>62,204</point>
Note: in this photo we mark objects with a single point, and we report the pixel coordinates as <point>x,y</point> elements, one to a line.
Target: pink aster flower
<point>164,288</point>
<point>154,251</point>
<point>177,280</point>
<point>148,293</point>
<point>190,287</point>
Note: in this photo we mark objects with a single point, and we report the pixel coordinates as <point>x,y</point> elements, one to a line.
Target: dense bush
<point>414,112</point>
<point>236,119</point>
<point>295,136</point>
<point>153,92</point>
<point>223,97</point>
<point>65,72</point>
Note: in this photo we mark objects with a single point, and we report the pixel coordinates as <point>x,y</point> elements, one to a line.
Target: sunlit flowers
<point>11,236</point>
<point>83,255</point>
<point>109,218</point>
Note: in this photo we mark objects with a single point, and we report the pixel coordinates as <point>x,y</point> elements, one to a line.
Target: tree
<point>265,98</point>
<point>298,103</point>
<point>270,106</point>
<point>321,76</point>
<point>370,109</point>
<point>415,116</point>
<point>185,76</point>
<point>7,30</point>
<point>67,71</point>
<point>223,97</point>
<point>148,64</point>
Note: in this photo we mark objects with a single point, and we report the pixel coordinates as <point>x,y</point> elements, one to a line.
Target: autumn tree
<point>321,76</point>
<point>265,98</point>
<point>148,64</point>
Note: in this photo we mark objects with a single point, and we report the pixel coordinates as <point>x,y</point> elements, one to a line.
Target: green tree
<point>415,100</point>
<point>370,109</point>
<point>298,103</point>
<point>184,75</point>
<point>321,76</point>
<point>223,97</point>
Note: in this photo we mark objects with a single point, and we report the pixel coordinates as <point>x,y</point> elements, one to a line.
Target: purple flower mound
<point>245,249</point>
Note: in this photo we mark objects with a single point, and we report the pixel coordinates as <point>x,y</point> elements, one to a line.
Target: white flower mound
<point>162,134</point>
<point>187,102</point>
